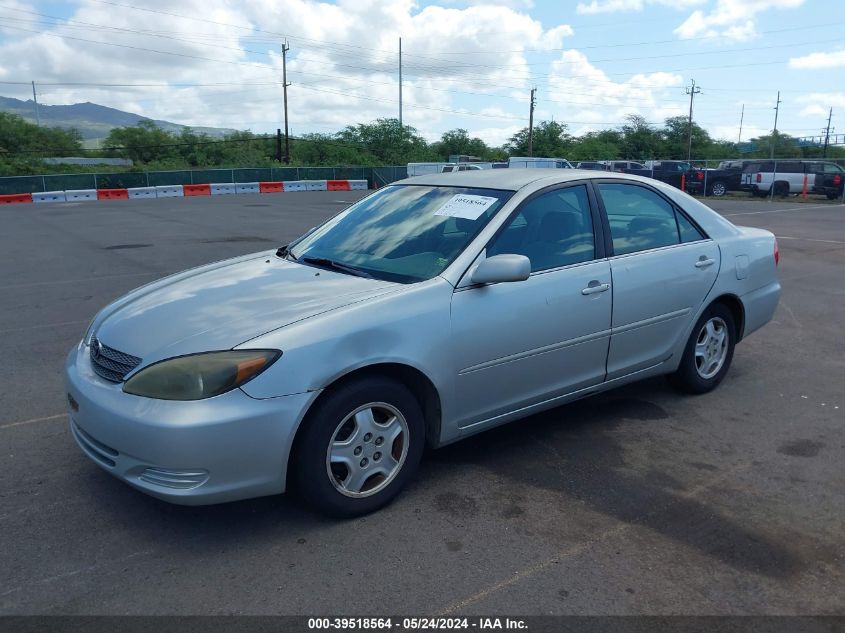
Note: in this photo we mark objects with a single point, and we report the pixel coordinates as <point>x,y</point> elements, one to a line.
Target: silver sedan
<point>430,310</point>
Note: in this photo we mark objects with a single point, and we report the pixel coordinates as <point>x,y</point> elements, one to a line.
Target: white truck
<point>419,169</point>
<point>532,162</point>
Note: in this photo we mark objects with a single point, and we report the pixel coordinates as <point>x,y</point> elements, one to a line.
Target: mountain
<point>93,121</point>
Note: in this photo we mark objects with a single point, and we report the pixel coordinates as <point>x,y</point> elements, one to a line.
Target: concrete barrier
<point>16,198</point>
<point>294,185</point>
<point>112,194</point>
<point>315,185</point>
<point>197,190</point>
<point>81,194</point>
<point>49,196</point>
<point>142,192</point>
<point>247,187</point>
<point>358,185</point>
<point>222,188</point>
<point>271,187</point>
<point>169,191</point>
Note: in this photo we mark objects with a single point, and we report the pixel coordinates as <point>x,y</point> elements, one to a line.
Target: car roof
<point>509,179</point>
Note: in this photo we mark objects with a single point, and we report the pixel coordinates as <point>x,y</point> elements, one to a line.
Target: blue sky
<point>466,64</point>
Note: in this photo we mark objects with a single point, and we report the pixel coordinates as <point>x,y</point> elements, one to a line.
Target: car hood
<point>222,305</point>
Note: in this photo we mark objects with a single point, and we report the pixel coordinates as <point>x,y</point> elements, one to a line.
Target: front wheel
<point>359,447</point>
<point>708,353</point>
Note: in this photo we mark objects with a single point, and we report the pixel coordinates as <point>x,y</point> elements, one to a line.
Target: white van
<point>420,169</point>
<point>531,162</point>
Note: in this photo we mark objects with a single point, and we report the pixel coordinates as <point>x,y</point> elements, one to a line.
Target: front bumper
<point>220,449</point>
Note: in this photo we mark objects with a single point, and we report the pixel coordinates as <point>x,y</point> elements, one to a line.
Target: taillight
<point>837,180</point>
<point>699,175</point>
<point>759,177</point>
<point>777,252</point>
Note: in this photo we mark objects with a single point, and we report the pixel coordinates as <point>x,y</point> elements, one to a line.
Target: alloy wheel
<point>711,348</point>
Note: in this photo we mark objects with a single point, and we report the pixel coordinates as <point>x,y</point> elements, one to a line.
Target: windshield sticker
<point>466,206</point>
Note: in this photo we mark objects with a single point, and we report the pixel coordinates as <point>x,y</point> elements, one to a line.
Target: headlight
<point>200,375</point>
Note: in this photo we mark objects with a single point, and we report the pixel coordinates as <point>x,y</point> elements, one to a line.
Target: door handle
<point>594,287</point>
<point>704,263</point>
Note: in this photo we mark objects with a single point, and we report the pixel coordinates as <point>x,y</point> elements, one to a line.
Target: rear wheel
<point>708,353</point>
<point>718,189</point>
<point>359,447</point>
<point>832,196</point>
<point>781,189</point>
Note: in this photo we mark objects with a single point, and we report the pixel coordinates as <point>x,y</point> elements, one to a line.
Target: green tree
<point>390,142</point>
<point>600,145</point>
<point>640,141</point>
<point>676,139</point>
<point>458,141</point>
<point>551,139</point>
<point>19,137</point>
<point>142,143</point>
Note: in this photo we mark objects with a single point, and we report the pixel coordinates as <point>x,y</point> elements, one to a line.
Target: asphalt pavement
<point>638,501</point>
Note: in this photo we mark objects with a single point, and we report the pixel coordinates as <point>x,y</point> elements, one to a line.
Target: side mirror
<point>502,268</point>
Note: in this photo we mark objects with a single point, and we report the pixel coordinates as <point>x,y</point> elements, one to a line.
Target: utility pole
<point>531,123</point>
<point>35,100</point>
<point>692,90</point>
<point>741,118</point>
<point>285,84</point>
<point>827,133</point>
<point>775,131</point>
<point>400,82</point>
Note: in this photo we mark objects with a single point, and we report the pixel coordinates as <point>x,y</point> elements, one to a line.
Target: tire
<point>705,361</point>
<point>781,189</point>
<point>718,189</point>
<point>832,196</point>
<point>340,466</point>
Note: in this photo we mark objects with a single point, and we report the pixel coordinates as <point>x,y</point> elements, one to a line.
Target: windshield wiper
<point>285,253</point>
<point>330,263</point>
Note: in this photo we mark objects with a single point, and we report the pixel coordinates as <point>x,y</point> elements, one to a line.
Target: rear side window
<point>642,220</point>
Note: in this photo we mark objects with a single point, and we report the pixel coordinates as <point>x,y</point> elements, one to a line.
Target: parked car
<point>433,309</point>
<point>781,177</point>
<point>464,167</point>
<point>535,162</point>
<point>829,180</point>
<point>593,165</point>
<point>622,165</point>
<point>673,172</point>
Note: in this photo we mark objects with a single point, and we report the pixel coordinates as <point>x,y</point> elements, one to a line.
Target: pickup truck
<point>830,181</point>
<point>671,172</point>
<point>726,177</point>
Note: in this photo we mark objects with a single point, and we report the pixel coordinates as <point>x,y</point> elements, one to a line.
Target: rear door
<point>662,265</point>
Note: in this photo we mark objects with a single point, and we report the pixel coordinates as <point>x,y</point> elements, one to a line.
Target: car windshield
<point>403,233</point>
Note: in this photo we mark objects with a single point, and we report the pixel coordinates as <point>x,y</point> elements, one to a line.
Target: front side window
<point>403,233</point>
<point>641,220</point>
<point>552,230</point>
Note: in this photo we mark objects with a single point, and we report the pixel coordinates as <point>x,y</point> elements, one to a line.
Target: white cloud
<point>818,104</point>
<point>339,53</point>
<point>583,93</point>
<point>619,6</point>
<point>815,61</point>
<point>731,19</point>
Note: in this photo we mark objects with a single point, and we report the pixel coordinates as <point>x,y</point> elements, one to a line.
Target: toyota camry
<point>432,309</point>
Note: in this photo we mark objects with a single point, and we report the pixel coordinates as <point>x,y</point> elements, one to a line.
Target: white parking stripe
<point>41,327</point>
<point>801,208</point>
<point>810,239</point>
<point>33,420</point>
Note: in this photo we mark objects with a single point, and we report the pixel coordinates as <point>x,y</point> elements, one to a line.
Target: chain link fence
<point>707,178</point>
<point>376,176</point>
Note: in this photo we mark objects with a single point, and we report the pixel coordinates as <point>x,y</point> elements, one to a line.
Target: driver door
<point>521,343</point>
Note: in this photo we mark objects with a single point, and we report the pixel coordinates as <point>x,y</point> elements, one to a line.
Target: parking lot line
<point>33,421</point>
<point>801,208</point>
<point>76,281</point>
<point>810,239</point>
<point>532,570</point>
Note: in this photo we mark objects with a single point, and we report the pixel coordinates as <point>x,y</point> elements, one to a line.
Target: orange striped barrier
<point>16,198</point>
<point>112,194</point>
<point>337,185</point>
<point>271,187</point>
<point>197,190</point>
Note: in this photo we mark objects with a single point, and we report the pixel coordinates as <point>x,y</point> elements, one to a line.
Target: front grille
<point>110,363</point>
